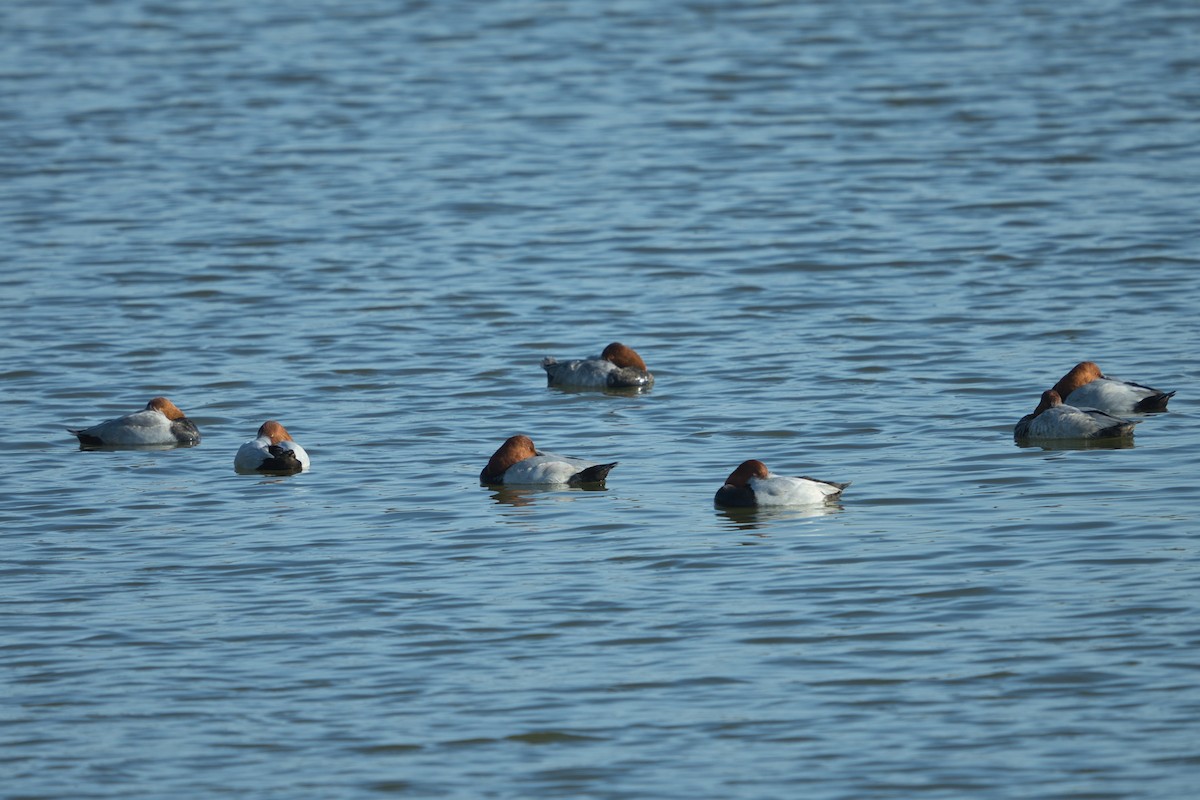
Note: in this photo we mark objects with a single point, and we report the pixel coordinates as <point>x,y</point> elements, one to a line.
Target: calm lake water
<point>852,240</point>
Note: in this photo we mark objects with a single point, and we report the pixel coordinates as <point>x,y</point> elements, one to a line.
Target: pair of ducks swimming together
<point>161,423</point>
<point>1096,408</point>
<point>1096,399</point>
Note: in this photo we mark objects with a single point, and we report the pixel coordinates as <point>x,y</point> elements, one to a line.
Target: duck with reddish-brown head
<point>1085,386</point>
<point>518,462</point>
<point>160,423</point>
<point>618,367</point>
<point>272,451</point>
<point>752,484</point>
<point>1053,419</point>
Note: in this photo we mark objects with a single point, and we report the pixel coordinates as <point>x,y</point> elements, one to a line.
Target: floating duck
<point>1086,387</point>
<point>159,423</point>
<point>752,484</point>
<point>273,451</point>
<point>618,367</point>
<point>1052,419</point>
<point>519,462</point>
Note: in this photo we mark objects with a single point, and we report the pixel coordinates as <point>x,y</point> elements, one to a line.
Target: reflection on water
<point>1116,443</point>
<point>756,517</point>
<point>121,447</point>
<point>618,391</point>
<point>272,476</point>
<point>529,495</point>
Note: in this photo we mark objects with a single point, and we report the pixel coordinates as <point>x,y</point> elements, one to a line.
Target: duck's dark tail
<point>593,474</point>
<point>281,460</point>
<point>551,366</point>
<point>85,438</point>
<point>1124,428</point>
<point>1155,402</point>
<point>841,487</point>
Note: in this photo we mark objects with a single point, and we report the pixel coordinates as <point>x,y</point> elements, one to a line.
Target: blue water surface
<point>854,241</point>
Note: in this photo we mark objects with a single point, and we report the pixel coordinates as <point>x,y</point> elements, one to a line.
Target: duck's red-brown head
<point>515,448</point>
<point>165,407</point>
<point>746,470</point>
<point>277,432</point>
<point>1050,399</point>
<point>1080,374</point>
<point>623,356</point>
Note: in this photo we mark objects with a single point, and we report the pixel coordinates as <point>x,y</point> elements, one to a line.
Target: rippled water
<point>855,241</point>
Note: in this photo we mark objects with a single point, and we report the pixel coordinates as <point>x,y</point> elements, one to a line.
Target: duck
<point>517,461</point>
<point>159,423</point>
<point>752,484</point>
<point>272,451</point>
<point>618,367</point>
<point>1085,386</point>
<point>1053,419</point>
